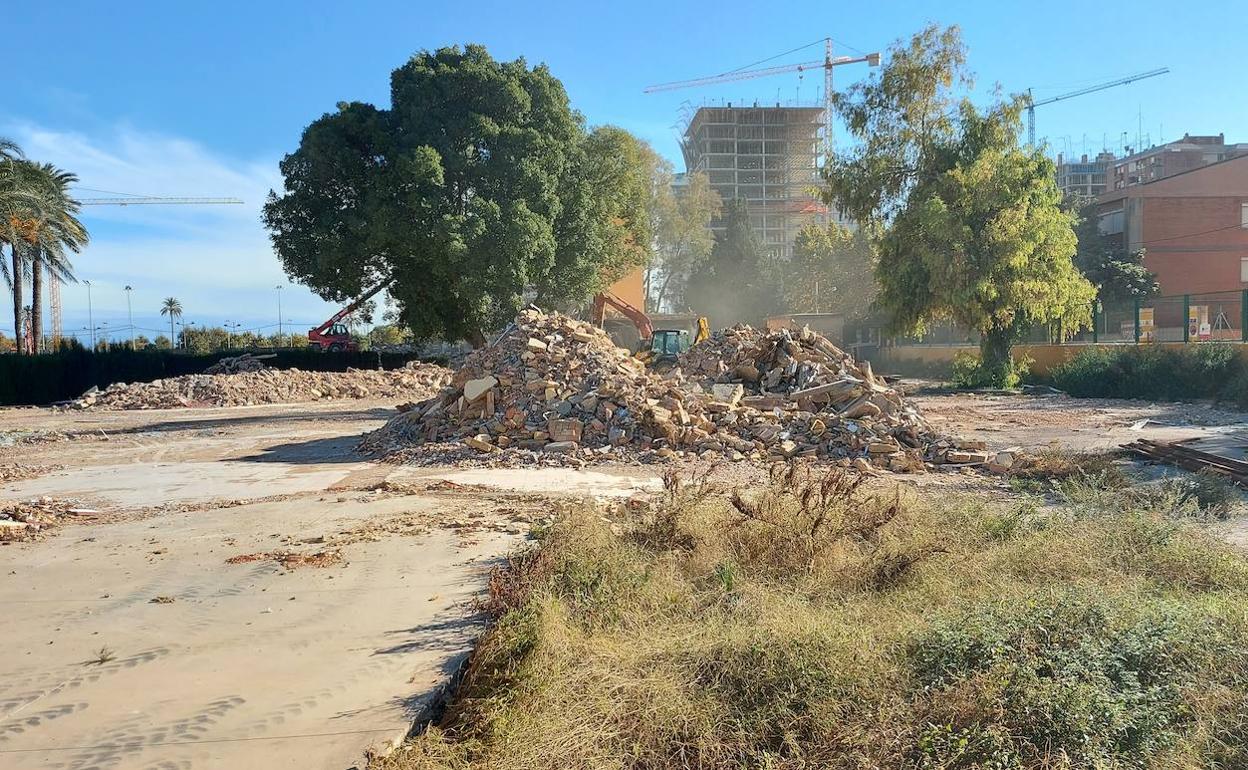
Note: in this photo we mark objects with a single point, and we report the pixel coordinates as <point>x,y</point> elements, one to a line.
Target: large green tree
<point>832,270</point>
<point>477,191</point>
<point>737,281</point>
<point>970,226</point>
<point>1117,274</point>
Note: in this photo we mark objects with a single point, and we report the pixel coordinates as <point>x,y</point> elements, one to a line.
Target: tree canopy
<point>970,226</point>
<point>477,191</point>
<point>832,270</point>
<point>683,240</point>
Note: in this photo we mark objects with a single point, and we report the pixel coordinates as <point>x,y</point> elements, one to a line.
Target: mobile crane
<point>333,335</point>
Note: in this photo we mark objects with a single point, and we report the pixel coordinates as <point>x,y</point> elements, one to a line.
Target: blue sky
<point>202,98</point>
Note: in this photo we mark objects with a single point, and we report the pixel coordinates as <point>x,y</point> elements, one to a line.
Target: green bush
<point>1084,679</point>
<point>70,372</point>
<point>969,372</point>
<point>1207,370</point>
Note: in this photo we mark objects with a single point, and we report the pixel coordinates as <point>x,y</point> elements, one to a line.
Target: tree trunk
<point>994,356</point>
<point>36,301</point>
<point>658,303</point>
<point>18,297</point>
<point>477,339</point>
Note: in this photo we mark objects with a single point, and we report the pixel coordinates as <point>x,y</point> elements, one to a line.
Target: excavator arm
<point>645,328</point>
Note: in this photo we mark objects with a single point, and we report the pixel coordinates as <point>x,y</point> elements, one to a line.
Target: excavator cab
<point>667,344</point>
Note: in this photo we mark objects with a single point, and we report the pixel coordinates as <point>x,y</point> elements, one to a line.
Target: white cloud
<point>215,258</point>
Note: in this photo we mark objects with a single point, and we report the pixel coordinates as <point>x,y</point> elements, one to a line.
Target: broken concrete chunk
<point>727,393</point>
<point>481,443</point>
<point>475,389</point>
<point>561,447</point>
<point>564,430</point>
<point>959,457</point>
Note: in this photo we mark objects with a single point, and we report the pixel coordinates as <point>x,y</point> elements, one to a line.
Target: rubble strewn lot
<point>267,386</point>
<point>555,389</point>
<point>30,519</point>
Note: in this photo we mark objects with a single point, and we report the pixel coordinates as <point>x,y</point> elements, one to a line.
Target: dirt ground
<point>238,589</point>
<point>1037,421</point>
<point>244,593</point>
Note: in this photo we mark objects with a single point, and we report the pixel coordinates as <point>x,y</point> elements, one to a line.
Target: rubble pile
<point>559,388</point>
<point>817,400</point>
<point>551,385</point>
<point>237,364</point>
<point>32,518</point>
<point>267,386</point>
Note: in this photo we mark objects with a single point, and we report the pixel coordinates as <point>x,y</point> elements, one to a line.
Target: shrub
<point>1062,680</point>
<point>969,372</point>
<point>1206,370</point>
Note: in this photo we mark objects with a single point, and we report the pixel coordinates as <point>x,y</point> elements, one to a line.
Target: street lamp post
<point>130,314</point>
<point>279,314</point>
<point>90,320</point>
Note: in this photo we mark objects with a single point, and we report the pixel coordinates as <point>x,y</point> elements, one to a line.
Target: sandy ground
<point>173,630</point>
<point>132,643</point>
<point>1034,422</point>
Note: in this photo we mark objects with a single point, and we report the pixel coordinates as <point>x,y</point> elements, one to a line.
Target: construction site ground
<point>132,642</point>
<point>239,589</point>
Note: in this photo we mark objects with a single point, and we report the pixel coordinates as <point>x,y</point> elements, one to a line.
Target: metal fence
<point>1215,316</point>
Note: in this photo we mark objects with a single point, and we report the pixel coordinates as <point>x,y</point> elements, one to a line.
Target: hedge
<point>1207,370</point>
<point>52,377</point>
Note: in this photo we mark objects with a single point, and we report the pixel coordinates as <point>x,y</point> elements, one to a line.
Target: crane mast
<point>54,285</point>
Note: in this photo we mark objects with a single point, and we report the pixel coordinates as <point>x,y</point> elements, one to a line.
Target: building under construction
<point>768,156</point>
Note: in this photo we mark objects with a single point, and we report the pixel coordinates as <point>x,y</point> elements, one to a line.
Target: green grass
<point>813,623</point>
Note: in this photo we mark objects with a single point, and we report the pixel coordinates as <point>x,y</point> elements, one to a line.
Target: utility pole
<point>130,315</point>
<point>279,314</point>
<point>90,319</point>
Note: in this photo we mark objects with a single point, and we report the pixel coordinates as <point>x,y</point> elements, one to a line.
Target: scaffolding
<point>767,156</point>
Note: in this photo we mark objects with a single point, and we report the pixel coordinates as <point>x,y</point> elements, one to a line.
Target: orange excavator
<point>658,346</point>
<point>333,335</point>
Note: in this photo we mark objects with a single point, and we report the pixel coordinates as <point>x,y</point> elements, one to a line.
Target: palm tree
<point>172,308</point>
<point>53,231</point>
<point>14,198</point>
<point>38,221</point>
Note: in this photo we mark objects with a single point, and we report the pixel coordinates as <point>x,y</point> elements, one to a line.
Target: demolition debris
<point>267,386</point>
<point>238,364</point>
<point>557,390</point>
<point>33,518</point>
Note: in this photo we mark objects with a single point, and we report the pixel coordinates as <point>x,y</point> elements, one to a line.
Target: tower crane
<point>54,286</point>
<point>1032,104</point>
<point>829,61</point>
<point>142,200</point>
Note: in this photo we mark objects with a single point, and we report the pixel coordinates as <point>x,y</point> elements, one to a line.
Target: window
<point>1243,215</point>
<point>1243,269</point>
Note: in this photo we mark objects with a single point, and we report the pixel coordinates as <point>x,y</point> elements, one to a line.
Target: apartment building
<point>1193,226</point>
<point>1084,178</point>
<point>1161,161</point>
